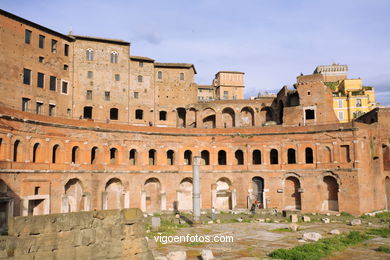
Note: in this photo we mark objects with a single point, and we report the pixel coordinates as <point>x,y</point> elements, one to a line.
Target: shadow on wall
<point>9,203</point>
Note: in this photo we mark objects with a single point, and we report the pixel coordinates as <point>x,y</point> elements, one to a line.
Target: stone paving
<point>256,240</point>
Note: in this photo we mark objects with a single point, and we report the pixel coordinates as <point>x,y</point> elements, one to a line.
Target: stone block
<point>325,220</point>
<point>293,227</point>
<point>306,219</point>
<point>206,254</point>
<point>294,218</point>
<point>177,255</point>
<point>311,236</point>
<point>156,223</point>
<point>131,216</point>
<point>335,232</point>
<point>356,222</point>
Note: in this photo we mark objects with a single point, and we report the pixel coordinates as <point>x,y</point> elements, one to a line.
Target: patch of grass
<point>383,232</point>
<point>195,244</point>
<point>321,248</point>
<point>345,214</point>
<point>281,230</point>
<point>384,249</point>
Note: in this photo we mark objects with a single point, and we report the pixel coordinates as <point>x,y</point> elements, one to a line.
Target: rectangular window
<point>90,74</point>
<point>53,83</point>
<point>181,76</point>
<point>358,102</point>
<point>310,114</point>
<point>38,109</point>
<point>225,95</point>
<point>40,59</point>
<point>40,80</point>
<point>41,41</point>
<point>66,50</point>
<point>26,76</point>
<point>107,95</point>
<point>136,95</point>
<point>340,103</point>
<point>89,94</point>
<point>341,115</point>
<point>52,110</point>
<point>27,36</point>
<point>64,87</point>
<point>25,103</point>
<point>53,46</point>
<point>141,64</point>
<point>66,67</point>
<point>117,77</point>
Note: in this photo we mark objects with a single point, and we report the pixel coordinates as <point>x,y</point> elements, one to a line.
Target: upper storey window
<point>53,46</point>
<point>159,75</point>
<point>27,36</point>
<point>89,54</point>
<point>114,57</point>
<point>41,41</point>
<point>181,76</point>
<point>141,64</point>
<point>140,79</point>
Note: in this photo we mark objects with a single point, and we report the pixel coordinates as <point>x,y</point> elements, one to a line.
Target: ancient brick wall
<point>110,234</point>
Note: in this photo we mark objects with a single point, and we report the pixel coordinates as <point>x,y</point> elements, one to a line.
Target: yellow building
<point>350,98</point>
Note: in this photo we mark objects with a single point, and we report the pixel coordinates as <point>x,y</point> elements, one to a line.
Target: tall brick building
<point>86,125</point>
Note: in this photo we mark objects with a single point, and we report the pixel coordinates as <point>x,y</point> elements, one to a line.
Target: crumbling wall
<point>108,234</point>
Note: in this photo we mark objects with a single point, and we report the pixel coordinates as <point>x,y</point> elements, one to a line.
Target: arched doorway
<point>387,192</point>
<point>181,117</point>
<point>208,118</point>
<point>74,193</point>
<point>223,199</point>
<point>331,201</point>
<point>152,188</point>
<point>114,191</point>
<point>258,191</point>
<point>228,117</point>
<point>247,116</point>
<point>184,194</point>
<point>292,196</point>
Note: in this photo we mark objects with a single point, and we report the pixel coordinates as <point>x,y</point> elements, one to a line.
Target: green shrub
<point>383,232</point>
<point>345,214</point>
<point>384,249</point>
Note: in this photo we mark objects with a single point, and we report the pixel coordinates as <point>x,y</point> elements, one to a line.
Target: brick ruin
<point>136,150</point>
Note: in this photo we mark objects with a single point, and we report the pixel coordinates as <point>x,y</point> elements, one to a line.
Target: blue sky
<point>271,41</point>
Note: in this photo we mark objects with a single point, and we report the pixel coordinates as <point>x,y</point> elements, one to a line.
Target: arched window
<point>139,114</point>
<point>114,114</point>
<point>54,155</point>
<point>159,75</point>
<point>205,156</point>
<point>16,146</point>
<point>94,153</point>
<point>256,157</point>
<point>36,150</point>
<point>221,157</point>
<point>291,157</point>
<point>163,115</point>
<point>113,156</point>
<point>152,157</point>
<point>114,57</point>
<point>75,154</point>
<point>309,155</point>
<point>187,157</point>
<point>239,155</point>
<point>89,54</point>
<point>140,78</point>
<point>170,157</point>
<point>133,157</point>
<point>274,156</point>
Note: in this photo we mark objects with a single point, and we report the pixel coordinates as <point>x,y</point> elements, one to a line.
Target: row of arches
<point>223,194</point>
<point>96,156</point>
<point>225,118</point>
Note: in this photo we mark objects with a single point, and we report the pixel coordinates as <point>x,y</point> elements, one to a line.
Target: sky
<point>271,41</point>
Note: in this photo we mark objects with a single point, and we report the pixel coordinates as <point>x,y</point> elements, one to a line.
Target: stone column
<point>234,199</point>
<point>163,201</point>
<point>64,204</point>
<point>104,200</point>
<point>143,201</point>
<point>126,199</point>
<point>87,201</point>
<point>196,188</point>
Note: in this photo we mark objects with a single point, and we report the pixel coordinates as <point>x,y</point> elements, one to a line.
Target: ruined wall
<point>111,234</point>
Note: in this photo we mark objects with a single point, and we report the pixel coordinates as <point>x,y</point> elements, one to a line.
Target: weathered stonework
<point>111,234</point>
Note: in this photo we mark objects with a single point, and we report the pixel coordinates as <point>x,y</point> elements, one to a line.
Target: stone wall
<point>109,234</point>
